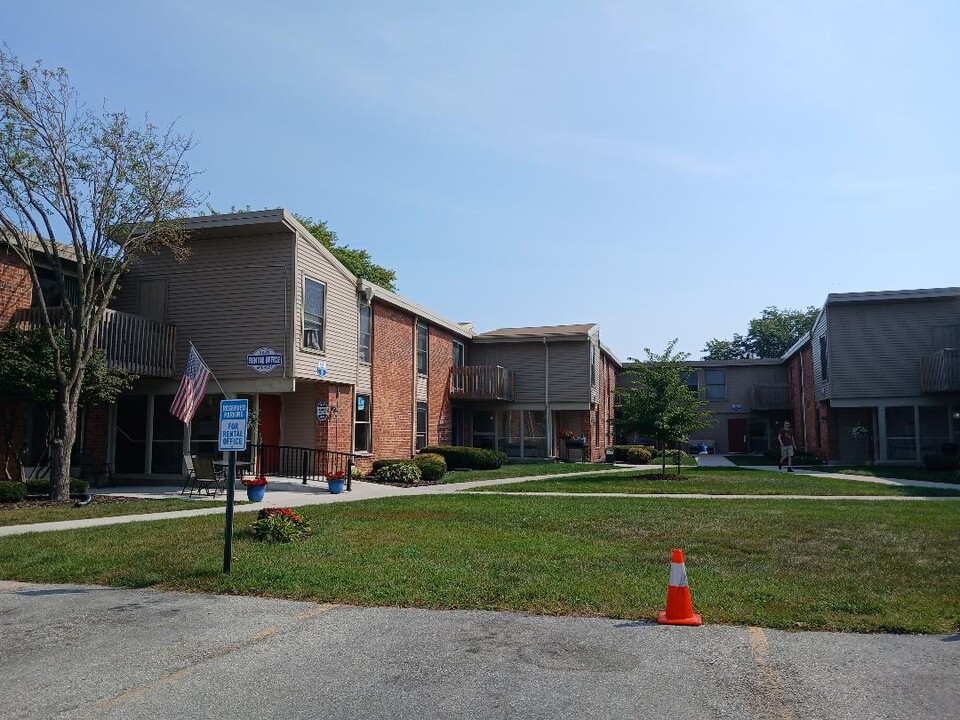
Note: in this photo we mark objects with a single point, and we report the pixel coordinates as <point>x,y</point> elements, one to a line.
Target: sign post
<point>232,438</point>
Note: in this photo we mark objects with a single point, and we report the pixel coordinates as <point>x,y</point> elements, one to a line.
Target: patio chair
<point>188,459</point>
<point>207,478</point>
<point>94,471</point>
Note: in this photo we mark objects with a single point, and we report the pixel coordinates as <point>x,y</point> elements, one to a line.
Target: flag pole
<point>231,481</point>
<point>207,366</point>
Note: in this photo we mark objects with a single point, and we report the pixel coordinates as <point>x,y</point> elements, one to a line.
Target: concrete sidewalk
<point>281,492</point>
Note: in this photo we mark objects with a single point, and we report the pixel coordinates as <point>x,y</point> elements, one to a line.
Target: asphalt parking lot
<point>83,651</point>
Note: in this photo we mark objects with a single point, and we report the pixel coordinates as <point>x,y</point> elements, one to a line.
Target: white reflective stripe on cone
<point>678,575</point>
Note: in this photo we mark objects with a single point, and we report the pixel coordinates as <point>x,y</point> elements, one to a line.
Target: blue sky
<point>666,169</point>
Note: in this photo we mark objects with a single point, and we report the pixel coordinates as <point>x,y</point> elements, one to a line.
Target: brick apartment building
<point>282,322</point>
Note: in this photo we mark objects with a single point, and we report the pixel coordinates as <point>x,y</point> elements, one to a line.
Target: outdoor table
<point>241,467</point>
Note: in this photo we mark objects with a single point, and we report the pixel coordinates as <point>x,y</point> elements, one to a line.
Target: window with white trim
<point>314,306</point>
<point>361,424</point>
<point>366,325</point>
<point>421,439</point>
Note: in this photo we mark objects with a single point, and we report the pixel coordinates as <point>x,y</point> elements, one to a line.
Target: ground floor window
<point>421,439</point>
<point>484,429</point>
<point>166,455</point>
<point>901,433</point>
<point>522,434</point>
<point>915,431</point>
<point>361,425</point>
<point>130,447</point>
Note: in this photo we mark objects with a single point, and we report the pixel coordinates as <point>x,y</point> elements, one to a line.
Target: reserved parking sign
<point>233,425</point>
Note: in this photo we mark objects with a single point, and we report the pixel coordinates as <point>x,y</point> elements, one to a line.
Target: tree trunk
<point>61,446</point>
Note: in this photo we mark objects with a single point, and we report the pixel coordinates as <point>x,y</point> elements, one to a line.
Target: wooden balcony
<point>770,397</point>
<point>482,382</point>
<point>940,371</point>
<point>140,346</point>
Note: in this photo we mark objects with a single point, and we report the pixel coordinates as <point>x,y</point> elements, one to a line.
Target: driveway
<point>75,651</point>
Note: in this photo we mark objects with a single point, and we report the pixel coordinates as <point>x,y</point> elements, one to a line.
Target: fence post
<point>304,466</point>
<point>349,473</point>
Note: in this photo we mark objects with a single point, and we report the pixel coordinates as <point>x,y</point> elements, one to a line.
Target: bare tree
<point>82,193</point>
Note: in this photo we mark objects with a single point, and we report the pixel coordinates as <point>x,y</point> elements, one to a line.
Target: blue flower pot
<point>255,494</point>
<point>336,486</point>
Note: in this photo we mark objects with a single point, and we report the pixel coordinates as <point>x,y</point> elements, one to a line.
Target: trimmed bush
<point>402,472</point>
<point>468,457</point>
<point>42,487</point>
<point>940,462</point>
<point>377,464</point>
<point>12,491</point>
<point>432,466</point>
<point>633,454</point>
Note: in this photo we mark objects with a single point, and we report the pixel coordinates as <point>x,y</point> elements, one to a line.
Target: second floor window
<point>458,356</point>
<point>314,305</point>
<point>593,364</point>
<point>716,384</point>
<point>366,321</point>
<point>423,339</point>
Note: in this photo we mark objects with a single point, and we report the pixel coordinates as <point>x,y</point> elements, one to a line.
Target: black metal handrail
<point>303,463</point>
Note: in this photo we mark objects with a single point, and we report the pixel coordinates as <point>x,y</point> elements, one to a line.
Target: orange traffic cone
<point>679,604</point>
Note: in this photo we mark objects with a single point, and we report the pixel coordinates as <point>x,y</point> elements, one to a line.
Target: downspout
<point>546,397</point>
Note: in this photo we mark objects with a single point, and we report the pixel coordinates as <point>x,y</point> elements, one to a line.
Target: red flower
<point>254,482</point>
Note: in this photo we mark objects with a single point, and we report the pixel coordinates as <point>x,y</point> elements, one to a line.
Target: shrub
<point>402,472</point>
<point>377,464</point>
<point>468,457</point>
<point>940,462</point>
<point>279,525</point>
<point>633,454</point>
<point>42,487</point>
<point>12,491</point>
<point>432,466</point>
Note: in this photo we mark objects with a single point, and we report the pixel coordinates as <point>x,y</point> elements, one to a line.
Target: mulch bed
<point>374,480</point>
<point>97,500</point>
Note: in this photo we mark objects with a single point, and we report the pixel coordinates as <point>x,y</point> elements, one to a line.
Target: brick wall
<point>439,420</point>
<point>392,377</point>
<point>807,413</point>
<point>336,432</point>
<point>96,426</point>
<point>16,288</point>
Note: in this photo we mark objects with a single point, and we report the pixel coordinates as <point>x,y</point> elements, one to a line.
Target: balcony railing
<point>482,382</point>
<point>770,397</point>
<point>940,371</point>
<point>140,346</point>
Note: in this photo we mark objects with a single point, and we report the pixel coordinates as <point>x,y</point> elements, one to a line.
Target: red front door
<point>737,431</point>
<point>269,431</point>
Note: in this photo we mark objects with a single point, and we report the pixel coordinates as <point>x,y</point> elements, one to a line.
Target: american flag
<point>193,386</point>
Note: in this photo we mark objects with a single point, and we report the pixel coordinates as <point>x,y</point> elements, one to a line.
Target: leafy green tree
<point>356,261</point>
<point>82,193</point>
<point>769,336</point>
<point>656,401</point>
<point>27,376</point>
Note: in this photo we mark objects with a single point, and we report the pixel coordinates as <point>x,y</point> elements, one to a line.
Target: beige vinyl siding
<point>229,298</point>
<point>820,329</point>
<point>299,416</point>
<point>570,372</point>
<point>740,381</point>
<point>525,359</point>
<point>875,347</point>
<point>364,380</point>
<point>595,383</point>
<point>569,369</point>
<point>341,317</point>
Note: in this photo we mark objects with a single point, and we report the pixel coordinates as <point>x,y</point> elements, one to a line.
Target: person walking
<point>785,438</point>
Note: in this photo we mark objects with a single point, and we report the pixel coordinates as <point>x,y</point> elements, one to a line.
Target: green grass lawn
<point>521,470</point>
<point>799,564</point>
<point>717,481</point>
<point>53,513</point>
<point>896,471</point>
